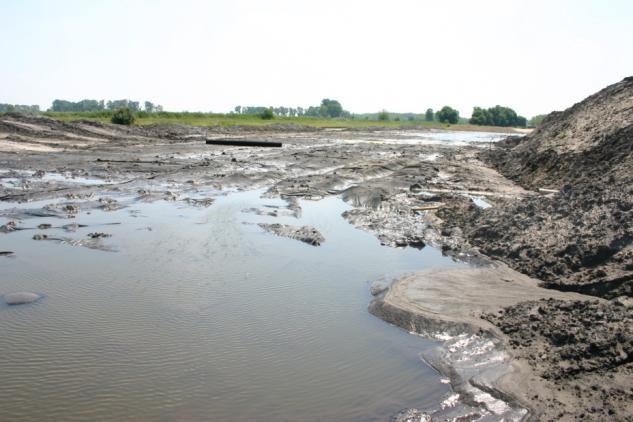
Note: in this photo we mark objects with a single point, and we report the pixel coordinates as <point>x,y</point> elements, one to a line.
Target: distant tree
<point>134,105</point>
<point>428,116</point>
<point>159,108</point>
<point>497,116</point>
<point>238,109</point>
<point>79,106</point>
<point>536,120</point>
<point>331,108</point>
<point>20,108</point>
<point>61,106</point>
<point>480,116</point>
<point>447,115</point>
<point>149,106</point>
<point>313,111</point>
<point>117,104</point>
<point>122,116</point>
<point>267,113</point>
<point>383,115</point>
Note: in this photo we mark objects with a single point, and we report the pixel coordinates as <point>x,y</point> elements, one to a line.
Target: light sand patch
<point>462,295</point>
<point>11,146</point>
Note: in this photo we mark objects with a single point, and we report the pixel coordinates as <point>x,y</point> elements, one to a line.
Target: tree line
<point>446,114</point>
<point>497,116</point>
<point>64,106</point>
<point>19,108</point>
<point>328,109</point>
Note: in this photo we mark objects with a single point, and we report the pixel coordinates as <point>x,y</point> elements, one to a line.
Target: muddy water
<point>200,315</point>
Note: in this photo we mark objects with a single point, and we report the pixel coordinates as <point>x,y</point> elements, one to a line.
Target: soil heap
<point>579,238</point>
<point>576,237</point>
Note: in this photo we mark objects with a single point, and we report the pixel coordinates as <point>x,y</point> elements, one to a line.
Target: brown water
<point>204,317</point>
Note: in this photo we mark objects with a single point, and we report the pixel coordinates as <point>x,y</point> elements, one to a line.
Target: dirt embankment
<point>578,237</point>
<point>572,230</point>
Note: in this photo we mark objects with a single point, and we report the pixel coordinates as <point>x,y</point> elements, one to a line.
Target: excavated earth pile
<point>577,236</point>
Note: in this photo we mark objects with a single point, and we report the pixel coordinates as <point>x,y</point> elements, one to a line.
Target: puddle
<point>202,315</point>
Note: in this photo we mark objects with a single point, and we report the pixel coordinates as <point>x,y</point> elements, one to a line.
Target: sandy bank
<point>449,305</point>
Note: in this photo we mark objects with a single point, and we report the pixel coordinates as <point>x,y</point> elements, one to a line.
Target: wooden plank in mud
<point>243,143</point>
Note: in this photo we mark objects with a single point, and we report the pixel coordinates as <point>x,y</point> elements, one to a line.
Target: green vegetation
<point>329,114</point>
<point>536,120</point>
<point>267,113</point>
<point>383,115</point>
<point>497,116</point>
<point>64,106</point>
<point>122,116</point>
<point>231,119</point>
<point>19,108</point>
<point>331,108</point>
<point>328,109</point>
<point>447,115</point>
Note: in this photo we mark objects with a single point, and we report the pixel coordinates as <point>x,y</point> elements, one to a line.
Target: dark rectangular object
<point>243,143</point>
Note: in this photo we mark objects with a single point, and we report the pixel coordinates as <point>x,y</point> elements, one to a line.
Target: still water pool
<point>199,314</point>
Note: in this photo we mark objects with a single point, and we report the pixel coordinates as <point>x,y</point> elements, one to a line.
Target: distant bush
<point>383,115</point>
<point>122,116</point>
<point>447,115</point>
<point>267,114</point>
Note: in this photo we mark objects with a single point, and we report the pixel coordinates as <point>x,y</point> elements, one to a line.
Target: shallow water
<point>201,315</point>
<point>446,138</point>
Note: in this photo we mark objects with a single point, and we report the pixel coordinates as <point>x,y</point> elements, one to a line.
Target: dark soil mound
<point>590,142</point>
<point>577,346</point>
<point>579,238</point>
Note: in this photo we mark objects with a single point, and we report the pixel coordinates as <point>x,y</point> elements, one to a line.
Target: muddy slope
<point>576,236</point>
<point>580,237</point>
<point>587,143</point>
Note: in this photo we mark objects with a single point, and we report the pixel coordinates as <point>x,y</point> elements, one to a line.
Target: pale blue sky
<point>535,56</point>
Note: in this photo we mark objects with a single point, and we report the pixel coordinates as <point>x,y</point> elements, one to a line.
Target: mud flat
<point>451,306</point>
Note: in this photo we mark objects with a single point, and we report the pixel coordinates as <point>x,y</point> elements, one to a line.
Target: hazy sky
<point>535,56</point>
